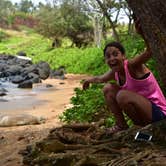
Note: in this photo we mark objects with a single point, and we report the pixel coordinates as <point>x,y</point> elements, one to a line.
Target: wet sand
<point>46,102</point>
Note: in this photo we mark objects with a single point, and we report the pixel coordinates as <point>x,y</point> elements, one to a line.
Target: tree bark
<point>152,14</point>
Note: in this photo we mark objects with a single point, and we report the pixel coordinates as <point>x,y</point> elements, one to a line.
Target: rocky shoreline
<point>21,71</point>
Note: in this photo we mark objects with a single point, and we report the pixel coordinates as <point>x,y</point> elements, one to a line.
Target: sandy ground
<point>50,105</point>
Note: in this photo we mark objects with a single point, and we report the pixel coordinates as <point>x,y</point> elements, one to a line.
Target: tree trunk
<point>97,32</point>
<point>104,9</point>
<point>152,14</point>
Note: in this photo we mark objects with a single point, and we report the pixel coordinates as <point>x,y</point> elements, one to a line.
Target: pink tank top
<point>147,87</point>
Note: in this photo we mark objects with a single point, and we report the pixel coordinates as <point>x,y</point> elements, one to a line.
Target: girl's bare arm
<point>99,79</point>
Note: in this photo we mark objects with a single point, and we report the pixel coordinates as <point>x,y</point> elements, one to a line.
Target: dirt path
<point>14,139</point>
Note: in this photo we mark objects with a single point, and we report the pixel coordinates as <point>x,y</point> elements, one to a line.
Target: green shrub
<point>3,35</point>
<point>85,105</point>
<point>78,61</point>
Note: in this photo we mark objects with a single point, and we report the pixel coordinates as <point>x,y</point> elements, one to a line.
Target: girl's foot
<point>115,129</point>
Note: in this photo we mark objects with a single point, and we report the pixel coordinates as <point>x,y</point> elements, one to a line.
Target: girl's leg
<point>110,92</point>
<point>137,107</point>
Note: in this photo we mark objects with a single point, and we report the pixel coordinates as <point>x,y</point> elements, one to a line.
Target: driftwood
<point>79,145</point>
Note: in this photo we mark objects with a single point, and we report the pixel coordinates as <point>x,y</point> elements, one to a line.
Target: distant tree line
<point>84,22</point>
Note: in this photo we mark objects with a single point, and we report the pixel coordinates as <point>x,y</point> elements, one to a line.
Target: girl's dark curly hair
<point>115,44</point>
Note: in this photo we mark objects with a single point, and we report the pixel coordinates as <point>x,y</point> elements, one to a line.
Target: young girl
<point>137,92</point>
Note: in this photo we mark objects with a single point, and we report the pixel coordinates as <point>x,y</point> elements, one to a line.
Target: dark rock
<point>21,53</point>
<point>14,69</point>
<point>49,86</point>
<point>3,66</point>
<point>34,78</point>
<point>30,69</point>
<point>17,79</point>
<point>21,70</point>
<point>25,84</point>
<point>59,73</point>
<point>44,70</point>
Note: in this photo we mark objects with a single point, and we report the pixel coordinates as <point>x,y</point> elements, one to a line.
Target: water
<point>20,99</point>
<point>15,93</point>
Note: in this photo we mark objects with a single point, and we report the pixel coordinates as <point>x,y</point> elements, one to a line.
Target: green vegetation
<point>86,60</point>
<point>27,41</point>
<point>88,105</point>
<point>3,35</point>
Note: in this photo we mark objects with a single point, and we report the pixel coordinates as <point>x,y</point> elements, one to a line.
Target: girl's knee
<point>107,88</point>
<point>110,89</point>
<point>122,97</point>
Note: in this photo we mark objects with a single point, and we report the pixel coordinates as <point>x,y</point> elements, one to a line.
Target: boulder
<point>43,70</point>
<point>25,84</point>
<point>18,120</point>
